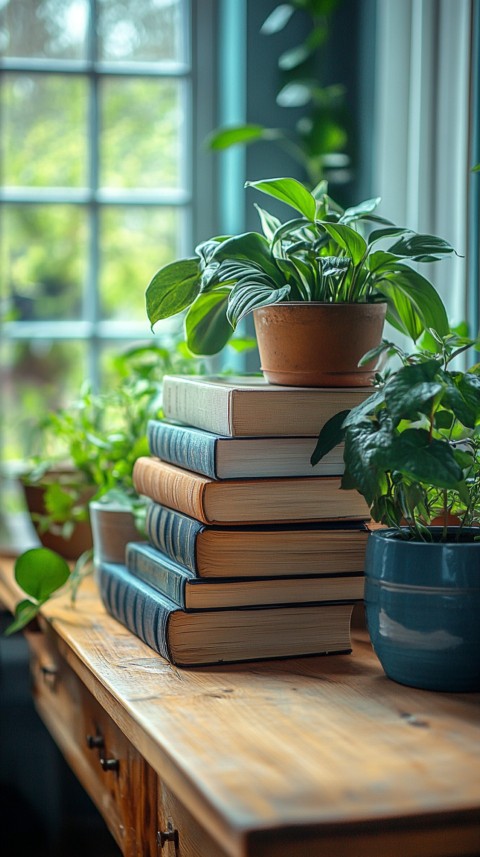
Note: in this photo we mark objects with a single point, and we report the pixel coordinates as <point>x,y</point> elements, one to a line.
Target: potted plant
<point>323,264</point>
<point>413,450</point>
<point>88,449</point>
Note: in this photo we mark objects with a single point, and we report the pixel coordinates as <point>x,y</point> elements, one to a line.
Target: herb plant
<point>325,253</point>
<point>413,448</point>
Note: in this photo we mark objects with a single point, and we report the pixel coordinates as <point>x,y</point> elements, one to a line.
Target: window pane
<point>55,29</point>
<point>141,133</point>
<point>135,242</point>
<point>141,30</point>
<point>44,127</point>
<point>42,262</point>
<point>36,375</point>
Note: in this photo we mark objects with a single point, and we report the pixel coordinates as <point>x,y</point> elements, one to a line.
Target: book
<point>262,551</point>
<point>189,592</point>
<point>246,501</point>
<point>237,457</point>
<point>242,406</point>
<point>221,636</point>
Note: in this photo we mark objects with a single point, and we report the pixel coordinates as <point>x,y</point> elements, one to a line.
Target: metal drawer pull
<point>95,741</point>
<point>110,764</point>
<point>50,675</point>
<point>169,835</point>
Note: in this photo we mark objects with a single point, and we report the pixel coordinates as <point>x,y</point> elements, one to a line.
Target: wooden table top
<point>327,745</point>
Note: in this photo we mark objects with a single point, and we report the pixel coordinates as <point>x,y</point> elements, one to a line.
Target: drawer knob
<point>95,741</point>
<point>169,835</point>
<point>50,675</point>
<point>110,764</point>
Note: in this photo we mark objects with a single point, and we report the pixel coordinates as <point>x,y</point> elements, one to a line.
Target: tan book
<point>243,406</point>
<point>246,501</point>
<point>193,593</point>
<point>222,636</point>
<point>267,550</point>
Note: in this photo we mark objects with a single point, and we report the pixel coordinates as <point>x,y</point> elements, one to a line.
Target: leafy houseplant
<point>94,442</point>
<point>323,255</point>
<point>413,450</point>
<point>320,138</point>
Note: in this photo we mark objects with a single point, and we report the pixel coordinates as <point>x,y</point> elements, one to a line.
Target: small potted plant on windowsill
<point>413,450</point>
<point>345,269</point>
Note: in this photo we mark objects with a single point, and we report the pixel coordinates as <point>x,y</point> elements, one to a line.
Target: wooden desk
<point>315,756</point>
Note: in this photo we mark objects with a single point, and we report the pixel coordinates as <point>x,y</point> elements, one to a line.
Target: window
<point>98,142</point>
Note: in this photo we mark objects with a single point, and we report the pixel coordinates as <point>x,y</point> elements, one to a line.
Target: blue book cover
<point>191,593</point>
<point>222,636</point>
<point>256,550</point>
<point>220,457</point>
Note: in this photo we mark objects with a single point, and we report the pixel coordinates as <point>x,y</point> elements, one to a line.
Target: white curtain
<point>421,163</point>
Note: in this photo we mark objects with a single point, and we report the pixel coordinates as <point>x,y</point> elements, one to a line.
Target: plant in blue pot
<point>413,451</point>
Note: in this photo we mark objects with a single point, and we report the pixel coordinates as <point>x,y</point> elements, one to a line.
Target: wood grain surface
<point>307,756</point>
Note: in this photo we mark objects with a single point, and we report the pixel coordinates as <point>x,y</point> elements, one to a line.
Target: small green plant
<point>325,253</point>
<point>41,573</point>
<point>319,140</point>
<point>99,436</point>
<point>413,448</point>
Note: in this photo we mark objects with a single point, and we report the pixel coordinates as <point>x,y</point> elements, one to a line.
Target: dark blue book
<point>221,636</point>
<point>221,457</point>
<point>192,593</point>
<point>257,551</point>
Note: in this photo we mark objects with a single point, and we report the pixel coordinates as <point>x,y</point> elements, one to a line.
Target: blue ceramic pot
<point>422,602</point>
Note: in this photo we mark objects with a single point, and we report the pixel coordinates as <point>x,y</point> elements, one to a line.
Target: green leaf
<point>239,134</point>
<point>412,390</point>
<point>295,94</point>
<point>358,211</point>
<point>415,246</point>
<point>414,304</point>
<point>270,224</point>
<point>429,461</point>
<point>277,19</point>
<point>249,295</point>
<point>331,434</point>
<point>388,232</point>
<point>172,289</point>
<point>366,456</point>
<point>40,572</point>
<point>370,406</point>
<point>350,240</point>
<point>206,325</point>
<point>463,397</point>
<point>25,611</point>
<point>294,57</point>
<point>250,247</point>
<point>290,191</point>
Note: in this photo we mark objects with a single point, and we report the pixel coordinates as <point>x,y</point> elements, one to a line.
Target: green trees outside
<point>77,220</point>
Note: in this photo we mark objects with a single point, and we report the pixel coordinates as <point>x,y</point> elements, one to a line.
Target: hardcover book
<point>263,551</point>
<point>236,457</point>
<point>242,406</point>
<point>246,501</point>
<point>222,636</point>
<point>192,593</point>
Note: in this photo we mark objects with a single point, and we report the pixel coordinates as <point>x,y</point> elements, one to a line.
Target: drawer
<point>117,778</point>
<point>180,834</point>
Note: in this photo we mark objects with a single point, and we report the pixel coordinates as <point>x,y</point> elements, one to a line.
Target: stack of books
<point>252,553</point>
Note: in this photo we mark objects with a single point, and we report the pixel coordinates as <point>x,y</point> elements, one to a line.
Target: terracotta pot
<point>113,527</point>
<point>81,537</point>
<point>318,344</point>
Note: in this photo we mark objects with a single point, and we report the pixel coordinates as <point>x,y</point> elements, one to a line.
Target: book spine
<point>161,576</point>
<point>174,534</point>
<point>192,450</point>
<point>201,405</point>
<point>169,486</point>
<point>136,606</point>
